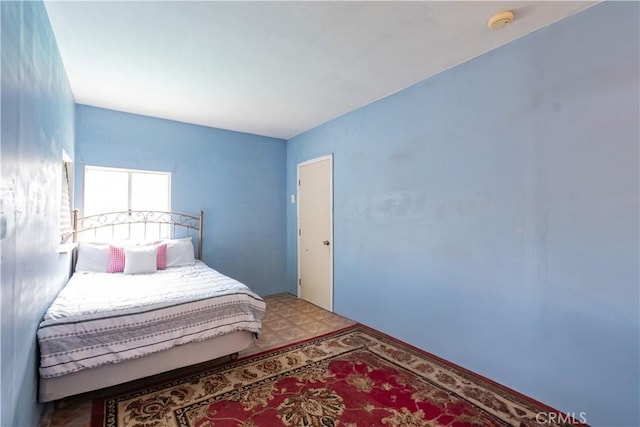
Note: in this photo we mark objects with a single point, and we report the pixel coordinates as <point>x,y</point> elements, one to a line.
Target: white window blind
<point>66,229</point>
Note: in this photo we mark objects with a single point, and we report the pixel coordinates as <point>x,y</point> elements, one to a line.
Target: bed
<point>140,304</point>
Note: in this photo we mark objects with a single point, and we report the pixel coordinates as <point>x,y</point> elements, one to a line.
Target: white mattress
<point>102,318</point>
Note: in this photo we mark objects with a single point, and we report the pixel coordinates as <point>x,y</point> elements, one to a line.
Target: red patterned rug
<point>353,377</point>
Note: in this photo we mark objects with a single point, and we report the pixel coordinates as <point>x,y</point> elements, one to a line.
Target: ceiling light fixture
<point>500,20</point>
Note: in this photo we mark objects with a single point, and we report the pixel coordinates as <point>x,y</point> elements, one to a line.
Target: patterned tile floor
<point>287,320</point>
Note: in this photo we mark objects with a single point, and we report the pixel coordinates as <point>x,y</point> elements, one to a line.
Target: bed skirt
<point>152,364</point>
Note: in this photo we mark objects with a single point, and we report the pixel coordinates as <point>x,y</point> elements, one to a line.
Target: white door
<point>315,231</point>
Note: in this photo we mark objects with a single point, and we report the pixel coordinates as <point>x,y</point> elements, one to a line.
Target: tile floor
<point>287,320</point>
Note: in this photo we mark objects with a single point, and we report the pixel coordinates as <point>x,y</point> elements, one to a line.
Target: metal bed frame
<point>125,219</point>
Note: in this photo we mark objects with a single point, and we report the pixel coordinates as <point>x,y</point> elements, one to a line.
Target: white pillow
<point>93,256</point>
<point>140,260</point>
<point>180,252</point>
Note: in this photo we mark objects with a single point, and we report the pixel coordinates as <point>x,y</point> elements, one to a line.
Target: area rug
<point>353,377</point>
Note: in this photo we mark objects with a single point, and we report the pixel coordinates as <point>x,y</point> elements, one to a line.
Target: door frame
<point>301,164</point>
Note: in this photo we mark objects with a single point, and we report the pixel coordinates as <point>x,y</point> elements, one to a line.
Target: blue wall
<point>489,214</point>
<point>238,180</point>
<point>37,123</point>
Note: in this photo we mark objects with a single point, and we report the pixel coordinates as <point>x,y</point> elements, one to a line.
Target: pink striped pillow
<point>161,258</point>
<point>117,258</point>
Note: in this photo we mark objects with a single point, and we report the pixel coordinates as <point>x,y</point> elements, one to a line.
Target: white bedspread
<point>101,318</point>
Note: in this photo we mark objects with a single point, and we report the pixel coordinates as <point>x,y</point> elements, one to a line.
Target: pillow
<point>180,252</point>
<point>93,257</point>
<point>117,258</point>
<point>161,259</point>
<point>140,260</point>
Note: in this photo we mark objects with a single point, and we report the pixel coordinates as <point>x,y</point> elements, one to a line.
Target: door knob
<point>326,243</point>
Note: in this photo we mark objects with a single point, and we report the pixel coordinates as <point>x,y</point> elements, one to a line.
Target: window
<point>66,230</point>
<point>113,190</point>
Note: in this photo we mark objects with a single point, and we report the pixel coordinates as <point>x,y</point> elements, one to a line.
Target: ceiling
<point>272,68</point>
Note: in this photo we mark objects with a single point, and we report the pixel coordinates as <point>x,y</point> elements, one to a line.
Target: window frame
<point>129,182</point>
